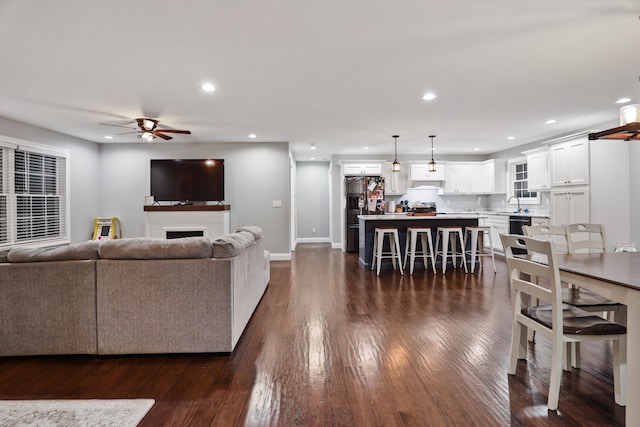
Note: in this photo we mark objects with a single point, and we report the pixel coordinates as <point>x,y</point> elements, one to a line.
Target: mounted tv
<point>187,180</point>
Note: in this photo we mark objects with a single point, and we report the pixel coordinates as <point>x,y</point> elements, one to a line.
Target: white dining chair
<point>562,324</point>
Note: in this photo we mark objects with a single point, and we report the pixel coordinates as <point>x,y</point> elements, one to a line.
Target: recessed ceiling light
<point>623,100</point>
<point>511,137</point>
<point>312,147</point>
<point>208,87</point>
<point>476,149</point>
<point>366,148</point>
<point>252,135</point>
<point>429,96</point>
<point>312,158</point>
<point>108,137</point>
<point>550,121</point>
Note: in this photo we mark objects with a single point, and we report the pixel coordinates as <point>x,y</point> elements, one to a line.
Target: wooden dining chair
<point>556,234</point>
<point>562,324</point>
<point>589,238</point>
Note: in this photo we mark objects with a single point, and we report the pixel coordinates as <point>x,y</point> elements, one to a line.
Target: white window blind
<point>34,200</point>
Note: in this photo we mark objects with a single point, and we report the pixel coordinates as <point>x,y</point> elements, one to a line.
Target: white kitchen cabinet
<point>569,206</point>
<point>570,163</point>
<point>540,221</point>
<point>395,182</point>
<point>456,178</point>
<point>365,169</point>
<point>487,177</point>
<point>499,224</point>
<point>420,172</point>
<point>538,170</point>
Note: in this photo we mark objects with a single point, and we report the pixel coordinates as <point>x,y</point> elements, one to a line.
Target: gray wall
<point>255,176</point>
<point>84,167</point>
<point>312,200</point>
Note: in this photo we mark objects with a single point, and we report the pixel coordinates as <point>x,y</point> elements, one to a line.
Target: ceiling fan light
<point>148,124</point>
<point>629,114</point>
<point>147,136</point>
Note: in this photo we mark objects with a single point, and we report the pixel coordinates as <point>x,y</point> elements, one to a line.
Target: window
<point>518,183</point>
<point>33,194</point>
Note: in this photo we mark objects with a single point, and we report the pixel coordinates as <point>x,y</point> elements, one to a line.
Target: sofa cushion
<point>151,248</point>
<point>232,244</point>
<point>3,255</point>
<point>76,251</point>
<point>253,229</point>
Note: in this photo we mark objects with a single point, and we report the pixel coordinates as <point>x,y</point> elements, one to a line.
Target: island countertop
<point>404,216</point>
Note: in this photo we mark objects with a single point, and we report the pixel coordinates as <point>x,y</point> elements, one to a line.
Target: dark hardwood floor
<point>332,344</point>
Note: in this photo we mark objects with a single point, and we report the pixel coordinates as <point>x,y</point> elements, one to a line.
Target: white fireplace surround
<point>213,224</point>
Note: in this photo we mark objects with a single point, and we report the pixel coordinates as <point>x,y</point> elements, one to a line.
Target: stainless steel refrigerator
<point>364,196</point>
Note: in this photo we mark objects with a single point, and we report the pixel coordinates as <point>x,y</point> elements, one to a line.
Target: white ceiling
<point>340,74</point>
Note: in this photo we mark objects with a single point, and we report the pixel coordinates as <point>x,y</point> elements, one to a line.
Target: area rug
<point>72,412</point>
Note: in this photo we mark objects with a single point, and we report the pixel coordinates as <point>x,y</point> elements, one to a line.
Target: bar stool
<point>410,248</point>
<point>394,245</point>
<point>449,233</point>
<point>477,236</point>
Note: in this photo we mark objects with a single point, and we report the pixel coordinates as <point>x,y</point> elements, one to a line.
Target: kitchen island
<point>368,224</point>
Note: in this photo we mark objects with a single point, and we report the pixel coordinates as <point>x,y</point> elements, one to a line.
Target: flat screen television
<point>187,180</point>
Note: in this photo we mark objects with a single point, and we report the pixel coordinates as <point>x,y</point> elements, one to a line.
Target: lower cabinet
<point>570,205</point>
<point>499,224</point>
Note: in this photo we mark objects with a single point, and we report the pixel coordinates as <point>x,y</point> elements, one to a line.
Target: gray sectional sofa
<point>132,296</point>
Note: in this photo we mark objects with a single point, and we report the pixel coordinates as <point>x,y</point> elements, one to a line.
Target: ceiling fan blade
<point>165,137</point>
<point>119,126</point>
<point>186,132</point>
<point>127,133</point>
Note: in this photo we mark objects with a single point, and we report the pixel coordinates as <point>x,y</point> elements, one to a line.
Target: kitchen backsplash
<point>457,203</point>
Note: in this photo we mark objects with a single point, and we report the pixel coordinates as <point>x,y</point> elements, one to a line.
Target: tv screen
<point>187,180</point>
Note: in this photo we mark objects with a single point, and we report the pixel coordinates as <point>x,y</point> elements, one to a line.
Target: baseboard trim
<point>313,240</point>
<point>281,257</point>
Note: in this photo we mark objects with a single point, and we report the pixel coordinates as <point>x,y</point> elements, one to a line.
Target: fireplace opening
<point>184,233</point>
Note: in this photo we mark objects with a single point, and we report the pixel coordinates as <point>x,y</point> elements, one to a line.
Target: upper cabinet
<point>456,177</point>
<point>487,177</point>
<point>395,182</point>
<point>365,169</point>
<point>538,168</point>
<point>570,162</point>
<point>420,172</point>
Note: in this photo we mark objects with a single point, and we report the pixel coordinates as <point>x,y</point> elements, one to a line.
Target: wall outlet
<point>277,203</point>
<point>313,230</point>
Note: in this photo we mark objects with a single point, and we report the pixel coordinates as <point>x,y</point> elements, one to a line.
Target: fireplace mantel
<point>211,220</point>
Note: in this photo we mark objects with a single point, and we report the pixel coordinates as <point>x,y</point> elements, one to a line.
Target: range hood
<point>628,132</point>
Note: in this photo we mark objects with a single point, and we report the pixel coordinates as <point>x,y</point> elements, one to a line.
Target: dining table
<point>616,276</point>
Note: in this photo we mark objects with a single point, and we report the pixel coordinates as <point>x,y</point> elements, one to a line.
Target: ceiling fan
<point>148,130</point>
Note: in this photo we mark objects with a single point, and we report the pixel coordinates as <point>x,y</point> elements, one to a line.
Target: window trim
<point>8,176</point>
<point>511,166</point>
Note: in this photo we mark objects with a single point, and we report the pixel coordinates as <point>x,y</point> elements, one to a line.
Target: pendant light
<point>432,163</point>
<point>396,163</point>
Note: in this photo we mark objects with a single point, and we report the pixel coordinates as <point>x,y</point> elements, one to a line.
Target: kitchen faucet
<point>517,199</point>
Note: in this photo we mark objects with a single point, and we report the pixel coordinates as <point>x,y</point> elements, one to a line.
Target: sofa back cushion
<point>232,244</point>
<point>150,248</point>
<point>76,251</point>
